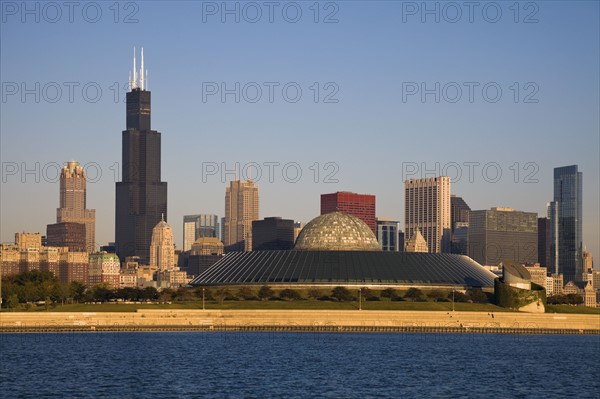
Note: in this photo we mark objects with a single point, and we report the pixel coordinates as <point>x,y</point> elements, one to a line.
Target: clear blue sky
<point>371,55</point>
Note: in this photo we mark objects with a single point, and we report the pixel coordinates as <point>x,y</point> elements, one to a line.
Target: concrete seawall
<point>301,320</point>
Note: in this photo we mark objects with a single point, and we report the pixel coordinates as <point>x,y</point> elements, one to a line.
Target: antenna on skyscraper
<point>134,81</point>
<point>142,71</point>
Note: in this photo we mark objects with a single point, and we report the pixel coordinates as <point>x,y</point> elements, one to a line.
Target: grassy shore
<point>305,304</point>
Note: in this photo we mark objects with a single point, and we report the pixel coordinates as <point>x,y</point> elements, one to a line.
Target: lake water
<point>302,365</point>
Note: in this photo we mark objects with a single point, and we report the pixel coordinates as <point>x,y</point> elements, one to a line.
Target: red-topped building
<point>360,205</point>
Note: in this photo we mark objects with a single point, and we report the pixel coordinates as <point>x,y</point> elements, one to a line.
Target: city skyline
<point>537,137</point>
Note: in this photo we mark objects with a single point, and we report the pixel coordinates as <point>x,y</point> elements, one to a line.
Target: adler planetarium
<point>337,249</point>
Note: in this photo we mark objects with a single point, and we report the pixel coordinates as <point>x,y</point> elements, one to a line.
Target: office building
<point>459,222</point>
<point>501,234</point>
<point>241,209</point>
<point>360,205</point>
<point>416,243</point>
<point>544,237</point>
<point>427,208</point>
<point>272,233</point>
<point>196,226</point>
<point>141,196</point>
<point>25,241</point>
<point>73,204</point>
<point>566,223</point>
<point>66,234</point>
<point>162,247</point>
<point>388,234</point>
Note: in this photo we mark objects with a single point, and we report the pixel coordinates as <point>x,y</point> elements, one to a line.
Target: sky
<point>321,96</point>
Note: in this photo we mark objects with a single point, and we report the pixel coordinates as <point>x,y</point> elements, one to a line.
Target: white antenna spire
<point>142,71</point>
<point>134,81</point>
<point>129,80</point>
<point>146,81</point>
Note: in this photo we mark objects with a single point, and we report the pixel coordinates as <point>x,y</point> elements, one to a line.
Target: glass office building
<point>196,226</point>
<point>565,214</point>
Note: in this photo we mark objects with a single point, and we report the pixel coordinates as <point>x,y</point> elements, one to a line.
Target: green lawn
<point>571,309</point>
<point>304,304</point>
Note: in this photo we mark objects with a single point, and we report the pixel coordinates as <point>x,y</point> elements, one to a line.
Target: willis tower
<point>141,198</point>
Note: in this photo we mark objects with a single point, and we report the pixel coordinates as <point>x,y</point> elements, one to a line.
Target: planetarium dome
<point>336,231</point>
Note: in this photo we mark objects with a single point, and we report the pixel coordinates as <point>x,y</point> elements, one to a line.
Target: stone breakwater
<point>301,320</point>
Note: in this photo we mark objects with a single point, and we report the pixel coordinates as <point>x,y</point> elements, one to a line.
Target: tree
<point>76,290</point>
<point>341,294</point>
<point>414,294</point>
<point>13,301</point>
<point>366,292</point>
<point>289,294</point>
<point>389,293</point>
<point>437,295</point>
<point>477,295</point>
<point>246,293</point>
<point>458,296</point>
<point>314,293</point>
<point>220,294</point>
<point>265,293</point>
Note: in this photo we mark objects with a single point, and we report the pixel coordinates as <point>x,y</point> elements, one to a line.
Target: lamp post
<point>359,299</point>
<point>453,298</point>
<point>203,299</point>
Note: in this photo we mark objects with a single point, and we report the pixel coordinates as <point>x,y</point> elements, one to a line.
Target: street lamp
<point>453,298</point>
<point>203,299</point>
<point>359,299</point>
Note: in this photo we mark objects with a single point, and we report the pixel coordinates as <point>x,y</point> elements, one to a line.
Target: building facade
<point>501,234</point>
<point>544,237</point>
<point>67,234</point>
<point>196,226</point>
<point>416,243</point>
<point>105,268</point>
<point>388,234</point>
<point>427,208</point>
<point>272,233</point>
<point>162,247</point>
<point>459,220</point>
<point>141,196</point>
<point>566,246</point>
<point>241,209</point>
<point>360,205</point>
<point>73,202</point>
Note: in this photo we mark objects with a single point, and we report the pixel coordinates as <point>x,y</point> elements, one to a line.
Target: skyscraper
<point>459,222</point>
<point>387,234</point>
<point>241,208</point>
<point>72,204</point>
<point>360,205</point>
<point>141,197</point>
<point>162,248</point>
<point>501,234</point>
<point>544,237</point>
<point>565,213</point>
<point>427,208</point>
<point>196,226</point>
<point>273,233</point>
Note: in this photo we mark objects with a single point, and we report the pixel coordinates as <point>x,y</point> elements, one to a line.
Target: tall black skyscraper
<point>141,197</point>
<point>566,247</point>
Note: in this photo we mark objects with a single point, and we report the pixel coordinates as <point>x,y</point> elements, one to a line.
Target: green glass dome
<point>337,231</point>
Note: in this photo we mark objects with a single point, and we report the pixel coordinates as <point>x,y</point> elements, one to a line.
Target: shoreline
<point>301,321</point>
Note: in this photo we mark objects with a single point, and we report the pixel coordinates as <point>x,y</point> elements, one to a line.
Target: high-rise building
<point>196,226</point>
<point>387,234</point>
<point>459,222</point>
<point>544,237</point>
<point>141,195</point>
<point>566,246</point>
<point>298,226</point>
<point>67,234</point>
<point>205,252</point>
<point>272,233</point>
<point>72,206</point>
<point>360,205</point>
<point>588,261</point>
<point>162,248</point>
<point>241,209</point>
<point>427,208</point>
<point>501,234</point>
